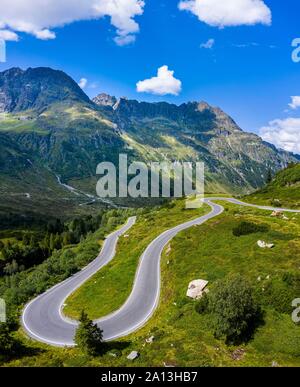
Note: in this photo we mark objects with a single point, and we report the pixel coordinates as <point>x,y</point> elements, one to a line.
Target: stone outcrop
<point>197,288</point>
<point>265,245</point>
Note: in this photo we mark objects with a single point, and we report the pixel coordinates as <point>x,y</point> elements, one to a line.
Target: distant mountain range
<point>50,128</point>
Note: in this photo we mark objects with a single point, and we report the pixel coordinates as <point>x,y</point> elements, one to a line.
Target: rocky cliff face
<point>105,100</point>
<point>200,115</point>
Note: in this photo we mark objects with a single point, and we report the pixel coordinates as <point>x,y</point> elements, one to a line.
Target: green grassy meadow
<point>182,336</point>
<point>107,290</point>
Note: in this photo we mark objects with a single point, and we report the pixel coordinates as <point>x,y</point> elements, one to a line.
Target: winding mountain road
<point>43,320</point>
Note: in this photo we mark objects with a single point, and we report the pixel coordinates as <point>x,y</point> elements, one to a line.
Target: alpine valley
<point>52,137</point>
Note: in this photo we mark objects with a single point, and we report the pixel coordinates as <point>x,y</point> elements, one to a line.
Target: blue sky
<point>248,72</point>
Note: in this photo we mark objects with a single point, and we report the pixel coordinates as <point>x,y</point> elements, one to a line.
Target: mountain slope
<point>36,89</point>
<point>46,118</point>
<point>283,190</point>
<point>234,159</point>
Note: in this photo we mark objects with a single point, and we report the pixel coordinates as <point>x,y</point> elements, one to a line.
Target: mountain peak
<point>13,71</point>
<point>36,88</point>
<point>105,100</point>
<point>202,106</point>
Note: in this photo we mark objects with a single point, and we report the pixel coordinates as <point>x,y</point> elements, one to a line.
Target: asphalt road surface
<point>43,320</point>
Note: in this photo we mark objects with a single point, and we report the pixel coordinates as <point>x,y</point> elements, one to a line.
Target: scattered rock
<point>275,364</point>
<point>259,279</point>
<point>265,245</point>
<point>196,289</point>
<point>168,249</point>
<point>279,214</point>
<point>267,277</point>
<point>133,355</point>
<point>150,340</point>
<point>238,354</point>
<point>276,214</point>
<point>168,365</point>
<point>126,236</point>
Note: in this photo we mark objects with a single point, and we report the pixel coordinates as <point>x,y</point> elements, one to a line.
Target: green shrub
<point>246,228</point>
<point>201,306</point>
<point>234,310</point>
<point>276,203</point>
<point>88,336</point>
<point>8,343</point>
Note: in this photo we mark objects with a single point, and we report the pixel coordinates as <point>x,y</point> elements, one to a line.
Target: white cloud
<point>83,83</point>
<point>124,40</point>
<point>223,13</point>
<point>209,44</point>
<point>38,17</point>
<point>295,104</point>
<point>8,35</point>
<point>284,134</point>
<point>45,34</point>
<point>164,83</point>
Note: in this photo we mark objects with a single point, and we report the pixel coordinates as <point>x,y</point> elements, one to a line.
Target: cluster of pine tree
<point>35,247</point>
<point>79,239</point>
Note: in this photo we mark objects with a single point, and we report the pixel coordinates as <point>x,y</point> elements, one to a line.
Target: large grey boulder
<point>196,289</point>
<point>133,355</point>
